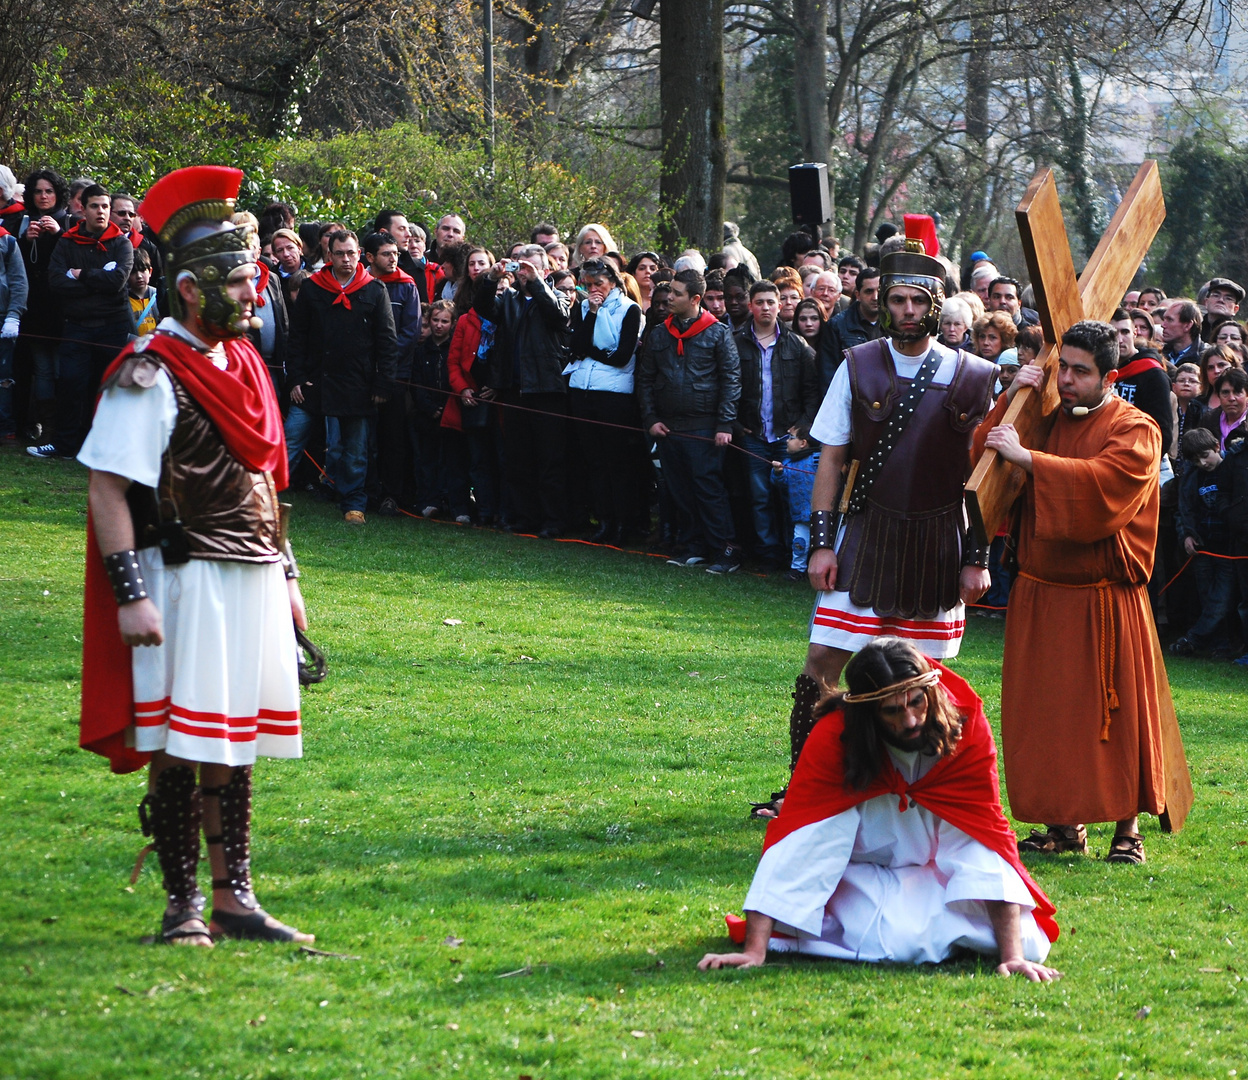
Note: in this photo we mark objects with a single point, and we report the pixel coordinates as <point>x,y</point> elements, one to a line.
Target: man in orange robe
<point>1083,683</point>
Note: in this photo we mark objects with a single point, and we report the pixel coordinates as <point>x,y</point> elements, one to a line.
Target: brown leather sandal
<point>1056,840</point>
<point>1126,848</point>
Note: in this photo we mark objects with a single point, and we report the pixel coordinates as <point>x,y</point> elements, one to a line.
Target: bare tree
<point>691,92</point>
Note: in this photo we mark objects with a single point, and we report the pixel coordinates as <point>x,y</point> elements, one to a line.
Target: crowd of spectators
<point>564,387</point>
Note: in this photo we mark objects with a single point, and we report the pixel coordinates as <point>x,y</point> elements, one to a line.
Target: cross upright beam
<point>1061,302</point>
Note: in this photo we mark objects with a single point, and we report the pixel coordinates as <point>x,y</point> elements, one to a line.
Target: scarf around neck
<point>702,322</point>
<point>79,235</point>
<point>324,277</point>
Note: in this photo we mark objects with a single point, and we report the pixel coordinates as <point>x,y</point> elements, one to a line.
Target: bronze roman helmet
<point>190,209</point>
<point>920,271</point>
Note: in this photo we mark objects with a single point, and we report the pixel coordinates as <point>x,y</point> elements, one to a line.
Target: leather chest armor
<point>902,554</point>
<point>227,511</point>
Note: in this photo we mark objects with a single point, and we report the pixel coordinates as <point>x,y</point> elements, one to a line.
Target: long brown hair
<point>885,662</point>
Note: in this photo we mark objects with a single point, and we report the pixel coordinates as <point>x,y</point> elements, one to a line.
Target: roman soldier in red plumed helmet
<point>189,655</point>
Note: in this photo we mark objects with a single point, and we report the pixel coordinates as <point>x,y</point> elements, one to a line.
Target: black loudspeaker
<point>808,192</point>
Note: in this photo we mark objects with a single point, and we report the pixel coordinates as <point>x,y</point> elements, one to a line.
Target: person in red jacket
<point>892,844</point>
<point>471,411</point>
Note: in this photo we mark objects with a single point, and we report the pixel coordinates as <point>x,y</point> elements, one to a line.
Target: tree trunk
<point>865,213</point>
<point>1089,217</point>
<point>978,88</point>
<point>810,77</point>
<point>691,98</point>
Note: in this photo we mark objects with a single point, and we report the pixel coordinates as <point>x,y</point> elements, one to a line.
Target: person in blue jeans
<point>796,474</point>
<point>1204,535</point>
<point>342,353</point>
<point>779,390</point>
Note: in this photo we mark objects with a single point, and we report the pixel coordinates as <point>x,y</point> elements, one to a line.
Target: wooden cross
<point>1062,301</point>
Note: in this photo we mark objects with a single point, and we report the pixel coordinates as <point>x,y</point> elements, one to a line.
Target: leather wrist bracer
<point>822,529</point>
<point>125,577</point>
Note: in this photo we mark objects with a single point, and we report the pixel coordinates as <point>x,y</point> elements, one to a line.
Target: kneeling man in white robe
<point>892,844</point>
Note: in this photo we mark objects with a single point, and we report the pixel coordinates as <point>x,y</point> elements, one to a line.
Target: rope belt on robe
<point>1106,645</point>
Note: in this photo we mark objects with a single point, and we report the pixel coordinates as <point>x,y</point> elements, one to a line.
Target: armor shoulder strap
<point>137,369</point>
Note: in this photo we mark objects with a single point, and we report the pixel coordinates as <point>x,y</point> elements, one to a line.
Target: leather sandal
<point>182,924</point>
<point>254,926</point>
<point>1126,848</point>
<point>1056,840</point>
<point>757,808</point>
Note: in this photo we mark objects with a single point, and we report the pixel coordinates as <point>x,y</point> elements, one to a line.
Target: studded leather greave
<point>235,835</point>
<point>806,694</point>
<point>170,814</point>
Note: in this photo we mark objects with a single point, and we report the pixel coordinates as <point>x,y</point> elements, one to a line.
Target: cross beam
<point>1062,301</point>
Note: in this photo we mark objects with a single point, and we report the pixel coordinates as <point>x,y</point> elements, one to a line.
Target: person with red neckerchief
<point>382,252</point>
<point>688,384</point>
<point>90,273</point>
<point>342,362</point>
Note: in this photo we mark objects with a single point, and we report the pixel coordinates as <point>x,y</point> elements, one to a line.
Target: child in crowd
<point>142,294</point>
<point>1008,365</point>
<point>1188,407</point>
<point>797,474</point>
<point>441,474</point>
<point>1202,529</point>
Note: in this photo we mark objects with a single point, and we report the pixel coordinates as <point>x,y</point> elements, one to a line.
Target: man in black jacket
<point>1142,380</point>
<point>688,384</point>
<point>88,272</point>
<point>526,368</point>
<point>779,389</point>
<point>856,325</point>
<point>342,356</point>
<point>1003,295</point>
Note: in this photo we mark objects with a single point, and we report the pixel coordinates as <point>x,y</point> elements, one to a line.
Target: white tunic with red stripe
<point>840,623</point>
<point>836,621</point>
<point>224,685</point>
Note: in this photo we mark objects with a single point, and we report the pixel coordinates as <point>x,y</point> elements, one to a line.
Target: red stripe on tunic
<point>872,626</point>
<point>235,728</point>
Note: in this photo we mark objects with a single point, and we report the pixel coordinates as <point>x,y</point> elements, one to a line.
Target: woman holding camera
<point>605,327</point>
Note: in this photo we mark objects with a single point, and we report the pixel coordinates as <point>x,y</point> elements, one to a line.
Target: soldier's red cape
<point>961,789</point>
<point>241,402</point>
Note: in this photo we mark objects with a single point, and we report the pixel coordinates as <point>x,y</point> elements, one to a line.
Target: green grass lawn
<point>559,780</point>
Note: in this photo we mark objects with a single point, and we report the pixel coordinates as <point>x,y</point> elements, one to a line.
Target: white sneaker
<point>463,519</point>
<point>429,511</point>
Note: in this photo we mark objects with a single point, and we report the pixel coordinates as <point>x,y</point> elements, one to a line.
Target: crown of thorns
<point>928,678</point>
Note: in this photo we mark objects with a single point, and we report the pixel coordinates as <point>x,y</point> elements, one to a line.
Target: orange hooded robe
<point>1084,685</point>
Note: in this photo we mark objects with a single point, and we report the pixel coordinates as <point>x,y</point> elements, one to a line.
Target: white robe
<point>224,685</point>
<point>878,884</point>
